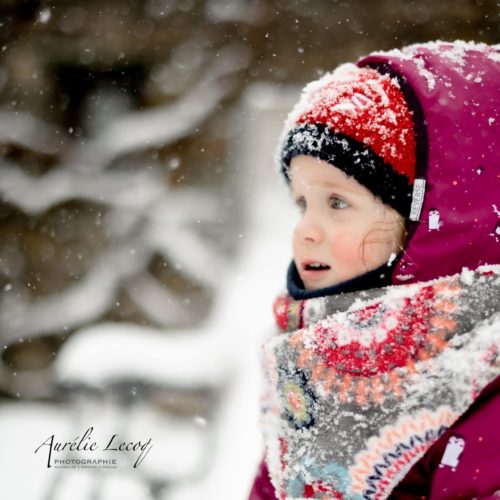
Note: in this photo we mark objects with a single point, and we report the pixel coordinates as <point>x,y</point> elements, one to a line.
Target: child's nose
<point>309,229</point>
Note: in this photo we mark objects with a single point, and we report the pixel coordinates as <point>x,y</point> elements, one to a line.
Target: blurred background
<point>143,230</point>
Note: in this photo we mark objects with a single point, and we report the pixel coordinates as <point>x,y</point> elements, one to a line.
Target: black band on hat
<point>352,157</point>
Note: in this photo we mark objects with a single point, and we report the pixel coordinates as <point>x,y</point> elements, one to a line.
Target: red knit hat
<point>359,121</point>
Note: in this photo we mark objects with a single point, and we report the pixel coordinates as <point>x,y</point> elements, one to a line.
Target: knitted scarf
<point>360,385</point>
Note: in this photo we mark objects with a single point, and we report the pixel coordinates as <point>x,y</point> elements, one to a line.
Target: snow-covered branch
<point>35,195</point>
<point>24,129</point>
<point>188,359</point>
<point>166,227</point>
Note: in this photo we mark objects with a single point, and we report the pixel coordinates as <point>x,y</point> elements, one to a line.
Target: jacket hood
<point>453,90</point>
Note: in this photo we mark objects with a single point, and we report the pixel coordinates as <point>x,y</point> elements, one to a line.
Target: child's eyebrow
<point>339,185</point>
<point>330,184</point>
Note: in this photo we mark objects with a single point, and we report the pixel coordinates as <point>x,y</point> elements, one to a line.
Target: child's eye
<point>338,203</point>
<point>301,204</point>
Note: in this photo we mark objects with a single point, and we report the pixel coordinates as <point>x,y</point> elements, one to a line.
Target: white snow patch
<point>185,359</point>
<point>391,259</point>
<point>495,56</point>
<point>467,276</point>
<point>425,73</point>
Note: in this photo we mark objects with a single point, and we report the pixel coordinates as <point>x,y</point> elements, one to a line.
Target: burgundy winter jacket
<point>457,130</point>
<point>477,474</point>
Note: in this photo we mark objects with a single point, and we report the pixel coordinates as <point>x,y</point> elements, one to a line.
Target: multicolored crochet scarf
<point>360,385</point>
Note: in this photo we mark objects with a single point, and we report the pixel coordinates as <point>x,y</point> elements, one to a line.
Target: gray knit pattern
<point>359,394</point>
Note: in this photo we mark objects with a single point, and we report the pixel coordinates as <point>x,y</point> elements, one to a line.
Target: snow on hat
<point>359,121</point>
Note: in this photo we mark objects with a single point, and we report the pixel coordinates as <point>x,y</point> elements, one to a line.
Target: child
<point>378,391</point>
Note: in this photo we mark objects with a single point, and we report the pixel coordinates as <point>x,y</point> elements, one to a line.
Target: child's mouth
<point>316,267</point>
<point>313,271</point>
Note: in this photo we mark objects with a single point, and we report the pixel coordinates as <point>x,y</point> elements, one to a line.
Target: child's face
<point>343,226</point>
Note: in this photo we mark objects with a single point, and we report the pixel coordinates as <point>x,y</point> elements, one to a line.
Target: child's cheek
<point>345,250</point>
